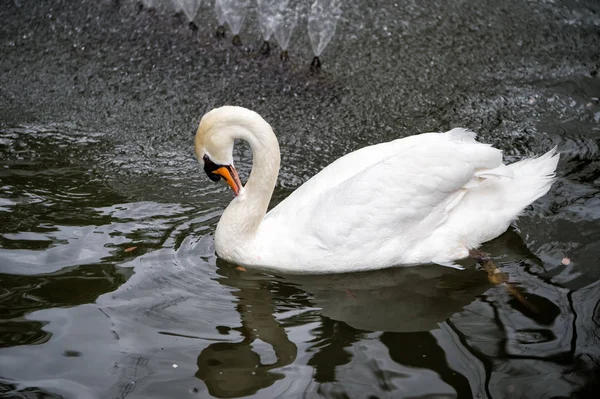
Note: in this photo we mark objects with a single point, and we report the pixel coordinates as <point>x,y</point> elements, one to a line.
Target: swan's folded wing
<point>350,165</point>
<point>341,169</point>
<point>402,198</point>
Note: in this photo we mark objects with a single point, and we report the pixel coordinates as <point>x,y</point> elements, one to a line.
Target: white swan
<point>426,198</point>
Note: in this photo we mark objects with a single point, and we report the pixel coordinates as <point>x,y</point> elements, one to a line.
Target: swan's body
<point>426,198</point>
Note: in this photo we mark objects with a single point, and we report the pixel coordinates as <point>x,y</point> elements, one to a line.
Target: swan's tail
<point>532,179</point>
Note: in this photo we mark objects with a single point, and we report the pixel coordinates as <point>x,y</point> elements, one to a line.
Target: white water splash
<point>235,13</point>
<point>286,21</point>
<point>221,17</point>
<point>189,7</point>
<point>322,21</point>
<point>268,11</point>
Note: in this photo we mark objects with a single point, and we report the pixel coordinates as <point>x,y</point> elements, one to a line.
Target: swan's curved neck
<point>241,219</point>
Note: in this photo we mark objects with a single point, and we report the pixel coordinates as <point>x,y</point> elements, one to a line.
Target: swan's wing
<point>407,194</point>
<point>338,171</point>
<point>351,164</point>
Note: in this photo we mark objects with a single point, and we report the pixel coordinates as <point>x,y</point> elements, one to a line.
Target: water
<point>322,21</point>
<point>107,266</point>
<point>156,3</point>
<point>286,21</point>
<point>235,13</point>
<point>278,18</point>
<point>189,8</point>
<point>267,11</point>
<point>220,12</point>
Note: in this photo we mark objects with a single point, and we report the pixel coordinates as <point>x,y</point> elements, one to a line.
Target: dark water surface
<point>98,106</point>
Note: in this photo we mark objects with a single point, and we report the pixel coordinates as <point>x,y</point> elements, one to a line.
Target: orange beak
<point>231,177</point>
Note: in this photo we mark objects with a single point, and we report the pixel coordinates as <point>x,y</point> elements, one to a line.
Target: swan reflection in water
<point>406,301</point>
<point>235,369</point>
<point>438,328</point>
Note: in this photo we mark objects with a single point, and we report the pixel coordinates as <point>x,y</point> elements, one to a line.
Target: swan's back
<point>351,164</point>
<point>402,203</point>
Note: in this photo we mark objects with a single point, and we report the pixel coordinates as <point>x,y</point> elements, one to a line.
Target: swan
<point>427,198</point>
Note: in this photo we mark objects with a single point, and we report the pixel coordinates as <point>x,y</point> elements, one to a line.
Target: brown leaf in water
<point>241,268</point>
<point>130,249</point>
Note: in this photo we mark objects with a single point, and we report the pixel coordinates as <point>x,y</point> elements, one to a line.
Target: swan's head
<point>214,146</point>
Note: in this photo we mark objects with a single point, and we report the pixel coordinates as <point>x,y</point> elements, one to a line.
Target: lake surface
<point>109,284</point>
